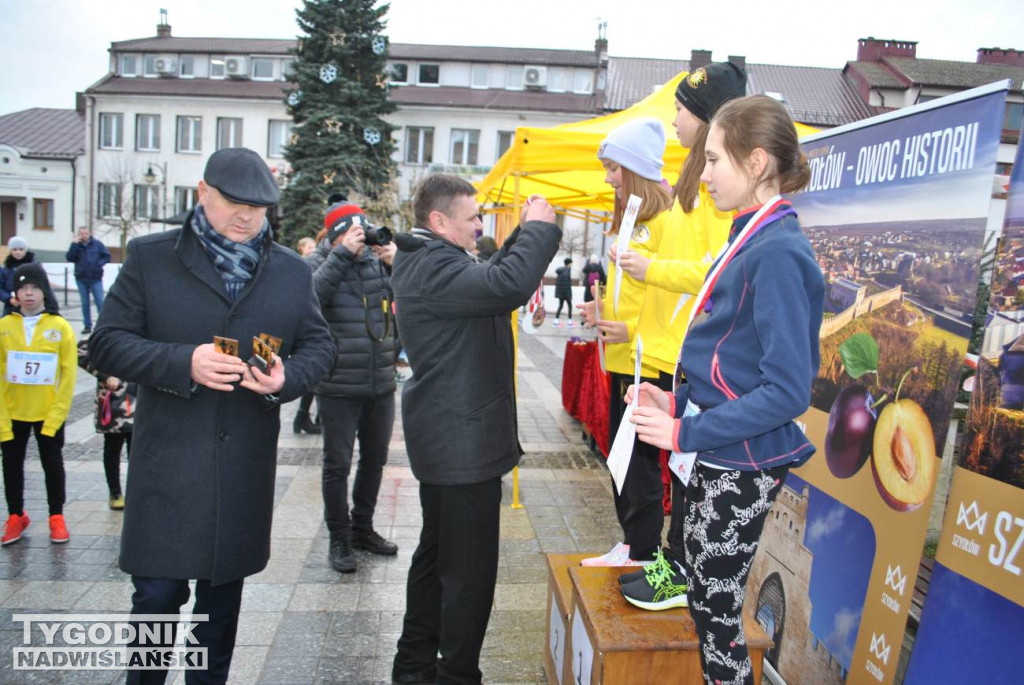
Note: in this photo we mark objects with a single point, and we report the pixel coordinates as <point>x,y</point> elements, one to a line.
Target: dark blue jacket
<point>89,259</point>
<point>758,345</point>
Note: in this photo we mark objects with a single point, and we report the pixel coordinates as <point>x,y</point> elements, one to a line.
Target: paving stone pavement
<point>301,621</point>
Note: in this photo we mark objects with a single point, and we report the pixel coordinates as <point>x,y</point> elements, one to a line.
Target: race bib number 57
<point>31,368</point>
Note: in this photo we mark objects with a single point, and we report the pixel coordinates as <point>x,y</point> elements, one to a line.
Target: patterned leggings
<point>725,512</point>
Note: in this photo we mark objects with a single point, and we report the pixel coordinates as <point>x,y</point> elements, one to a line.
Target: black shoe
<point>427,675</point>
<point>372,542</point>
<point>302,423</point>
<point>341,557</point>
<point>87,330</point>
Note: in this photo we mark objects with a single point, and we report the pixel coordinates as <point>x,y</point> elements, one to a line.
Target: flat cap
<point>242,176</point>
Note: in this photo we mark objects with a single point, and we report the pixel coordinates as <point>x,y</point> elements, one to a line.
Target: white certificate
<point>622,242</point>
<point>31,368</point>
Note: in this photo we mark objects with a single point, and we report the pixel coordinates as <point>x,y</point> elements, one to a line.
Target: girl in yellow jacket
<point>38,363</point>
<point>673,277</point>
<point>632,158</point>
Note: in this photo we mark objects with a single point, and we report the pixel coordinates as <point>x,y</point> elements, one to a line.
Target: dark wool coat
<point>459,408</point>
<point>563,283</point>
<point>363,366</point>
<point>200,488</point>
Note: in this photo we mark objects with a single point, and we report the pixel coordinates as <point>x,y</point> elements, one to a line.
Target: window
<point>150,65</point>
<point>111,131</point>
<point>480,76</point>
<point>129,65</point>
<point>505,139</point>
<point>187,66</point>
<point>109,200</point>
<point>263,69</point>
<point>399,72</point>
<point>147,132</point>
<point>287,69</point>
<point>514,77</point>
<point>185,198</point>
<point>1014,112</point>
<point>147,202</point>
<point>465,143</point>
<point>556,79</point>
<point>229,133</point>
<point>419,145</point>
<point>278,134</point>
<point>583,81</point>
<point>430,74</point>
<point>190,134</point>
<point>216,66</point>
<point>43,212</point>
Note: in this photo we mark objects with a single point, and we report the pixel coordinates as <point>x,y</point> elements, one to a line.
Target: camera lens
<point>378,235</point>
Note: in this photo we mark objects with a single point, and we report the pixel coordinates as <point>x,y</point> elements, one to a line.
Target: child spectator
<point>37,361</point>
<point>115,411</point>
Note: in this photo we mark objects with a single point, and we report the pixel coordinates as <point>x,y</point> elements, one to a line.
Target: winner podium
<point>596,637</point>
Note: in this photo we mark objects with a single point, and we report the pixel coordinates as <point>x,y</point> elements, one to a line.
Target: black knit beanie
<point>32,273</point>
<point>706,89</point>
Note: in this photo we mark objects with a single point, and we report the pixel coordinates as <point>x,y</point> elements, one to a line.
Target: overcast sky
<point>52,48</point>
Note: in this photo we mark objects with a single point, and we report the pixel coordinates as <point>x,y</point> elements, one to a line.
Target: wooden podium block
<point>556,662</point>
<point>611,641</point>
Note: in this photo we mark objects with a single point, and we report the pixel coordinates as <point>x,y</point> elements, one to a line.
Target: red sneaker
<point>16,525</point>
<point>58,529</point>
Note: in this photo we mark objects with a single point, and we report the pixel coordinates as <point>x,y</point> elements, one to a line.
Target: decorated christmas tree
<point>341,143</point>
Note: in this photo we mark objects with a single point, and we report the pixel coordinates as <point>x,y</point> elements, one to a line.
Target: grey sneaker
<point>662,590</point>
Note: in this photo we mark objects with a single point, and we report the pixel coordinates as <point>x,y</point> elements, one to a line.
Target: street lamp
<point>150,178</point>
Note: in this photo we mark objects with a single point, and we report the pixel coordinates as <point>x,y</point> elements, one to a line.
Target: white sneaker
<point>617,556</point>
<point>570,324</point>
<point>555,323</point>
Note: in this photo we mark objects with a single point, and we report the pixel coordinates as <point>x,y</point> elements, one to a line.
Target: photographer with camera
<point>352,280</point>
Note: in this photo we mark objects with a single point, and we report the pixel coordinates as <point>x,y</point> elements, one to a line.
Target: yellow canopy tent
<point>561,162</point>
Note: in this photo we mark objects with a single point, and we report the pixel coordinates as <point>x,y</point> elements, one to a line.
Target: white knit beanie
<point>637,145</point>
<point>17,242</point>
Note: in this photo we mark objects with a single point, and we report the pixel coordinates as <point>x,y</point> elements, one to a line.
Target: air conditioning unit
<point>535,77</point>
<point>237,67</point>
<point>166,66</point>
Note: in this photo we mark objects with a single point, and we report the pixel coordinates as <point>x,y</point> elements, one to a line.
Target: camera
<point>377,235</point>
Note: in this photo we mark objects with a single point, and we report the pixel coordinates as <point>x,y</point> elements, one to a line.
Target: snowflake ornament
<point>328,73</point>
<point>371,136</point>
<point>294,97</point>
<point>379,45</point>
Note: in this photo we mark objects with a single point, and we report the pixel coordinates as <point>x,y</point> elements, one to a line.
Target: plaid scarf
<point>235,262</point>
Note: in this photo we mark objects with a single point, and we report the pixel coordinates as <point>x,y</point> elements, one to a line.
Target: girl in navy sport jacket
<point>749,357</point>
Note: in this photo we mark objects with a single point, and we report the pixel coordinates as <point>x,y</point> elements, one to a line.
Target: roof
<point>463,53</point>
<point>815,96</point>
<point>257,46</point>
<point>876,75</point>
<point>494,98</point>
<point>631,79</point>
<point>225,88</point>
<point>949,74</point>
<point>40,132</point>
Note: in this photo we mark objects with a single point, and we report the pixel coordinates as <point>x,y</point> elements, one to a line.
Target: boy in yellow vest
<point>38,362</point>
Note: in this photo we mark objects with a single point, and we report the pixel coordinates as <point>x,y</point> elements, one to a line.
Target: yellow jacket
<point>618,357</point>
<point>47,403</point>
<point>689,244</point>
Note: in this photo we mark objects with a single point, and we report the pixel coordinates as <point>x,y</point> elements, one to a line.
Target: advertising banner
<point>896,211</point>
<point>973,616</point>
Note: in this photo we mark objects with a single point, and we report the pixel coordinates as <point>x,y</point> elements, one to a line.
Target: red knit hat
<point>340,217</point>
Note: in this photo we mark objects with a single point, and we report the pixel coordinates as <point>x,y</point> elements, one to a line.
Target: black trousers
<point>567,301</point>
<point>112,443</point>
<point>343,419</point>
<point>306,403</point>
<point>725,513</point>
<point>50,454</point>
<point>639,505</point>
<point>217,634</point>
<point>451,581</point>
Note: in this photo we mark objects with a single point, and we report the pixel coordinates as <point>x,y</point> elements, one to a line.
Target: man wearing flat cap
<point>200,489</point>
